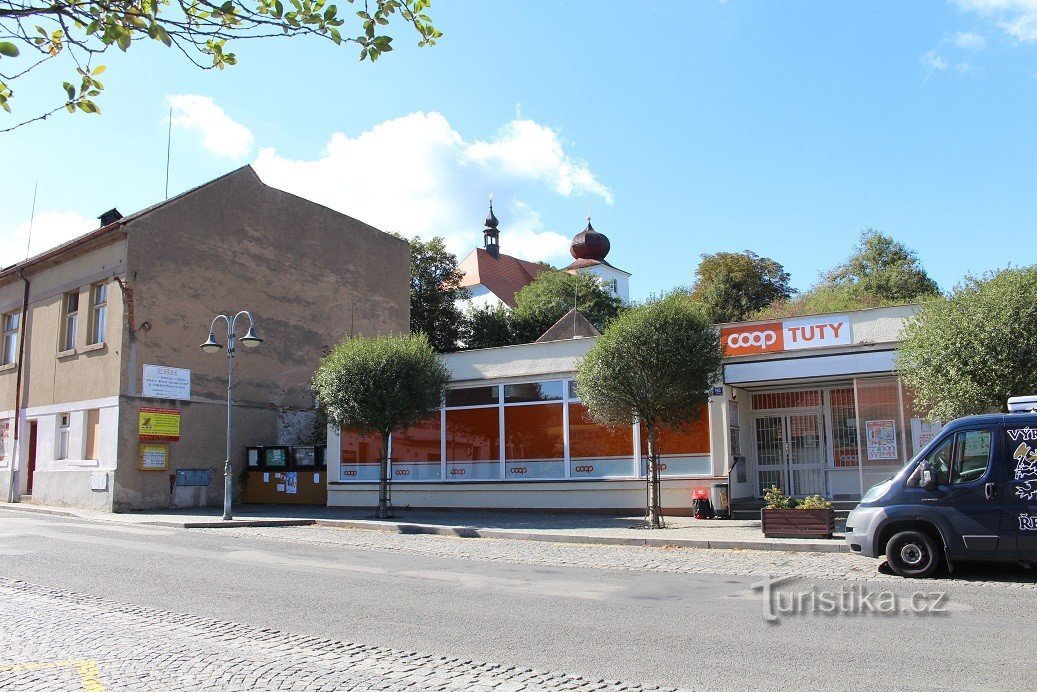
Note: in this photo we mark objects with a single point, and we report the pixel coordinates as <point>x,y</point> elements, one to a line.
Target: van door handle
<point>990,490</point>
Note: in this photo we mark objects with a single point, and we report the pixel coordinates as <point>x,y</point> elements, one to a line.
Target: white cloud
<point>969,41</point>
<point>963,67</point>
<point>221,135</point>
<point>416,175</point>
<point>49,229</point>
<point>933,61</point>
<point>1017,18</point>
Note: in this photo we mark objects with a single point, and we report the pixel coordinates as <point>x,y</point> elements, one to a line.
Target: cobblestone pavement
<point>841,566</point>
<point>56,640</point>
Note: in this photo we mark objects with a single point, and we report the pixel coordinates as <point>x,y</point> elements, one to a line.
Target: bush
<point>776,499</point>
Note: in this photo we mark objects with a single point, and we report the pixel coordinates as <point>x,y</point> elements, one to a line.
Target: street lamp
<point>211,345</point>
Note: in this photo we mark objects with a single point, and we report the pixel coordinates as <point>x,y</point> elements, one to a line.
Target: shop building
<point>110,402</point>
<point>812,405</point>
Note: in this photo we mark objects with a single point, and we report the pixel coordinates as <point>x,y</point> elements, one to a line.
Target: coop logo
<point>756,338</point>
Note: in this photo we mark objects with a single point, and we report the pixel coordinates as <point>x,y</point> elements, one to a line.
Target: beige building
<point>109,324</point>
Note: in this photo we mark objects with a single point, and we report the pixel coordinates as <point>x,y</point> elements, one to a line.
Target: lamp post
<point>211,345</point>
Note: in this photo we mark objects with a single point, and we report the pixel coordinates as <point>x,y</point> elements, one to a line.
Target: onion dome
<point>491,220</point>
<point>589,244</point>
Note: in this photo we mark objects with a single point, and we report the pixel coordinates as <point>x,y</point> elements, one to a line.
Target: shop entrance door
<point>789,453</point>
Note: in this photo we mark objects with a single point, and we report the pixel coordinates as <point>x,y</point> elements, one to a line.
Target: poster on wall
<point>291,482</point>
<point>882,440</point>
<point>158,424</point>
<point>153,457</point>
<point>923,431</point>
<point>161,382</point>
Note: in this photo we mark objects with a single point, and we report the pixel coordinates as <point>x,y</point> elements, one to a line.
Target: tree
<point>734,285</point>
<point>383,384</point>
<point>552,294</point>
<point>657,364</point>
<point>435,288</point>
<point>880,272</point>
<point>487,327</point>
<point>967,353</point>
<point>884,268</point>
<point>82,30</point>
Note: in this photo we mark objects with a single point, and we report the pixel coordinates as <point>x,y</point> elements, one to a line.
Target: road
<point>292,608</point>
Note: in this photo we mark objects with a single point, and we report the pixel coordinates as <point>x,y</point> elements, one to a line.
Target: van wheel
<point>913,554</point>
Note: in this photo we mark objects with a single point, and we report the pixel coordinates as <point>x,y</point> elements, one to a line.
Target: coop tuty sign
<point>787,335</point>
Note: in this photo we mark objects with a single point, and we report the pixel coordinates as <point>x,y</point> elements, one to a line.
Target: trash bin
<point>700,503</point>
<point>719,498</point>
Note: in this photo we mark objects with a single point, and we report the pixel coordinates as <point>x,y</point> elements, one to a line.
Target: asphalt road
<point>684,629</point>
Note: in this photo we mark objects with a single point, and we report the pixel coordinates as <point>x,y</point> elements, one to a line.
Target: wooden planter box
<point>798,523</point>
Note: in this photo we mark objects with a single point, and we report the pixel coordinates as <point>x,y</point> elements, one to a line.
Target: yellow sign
<point>153,457</point>
<point>159,424</point>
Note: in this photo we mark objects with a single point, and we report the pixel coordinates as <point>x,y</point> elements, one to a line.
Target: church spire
<point>490,234</point>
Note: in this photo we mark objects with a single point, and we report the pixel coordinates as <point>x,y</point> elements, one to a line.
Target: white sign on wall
<point>161,382</point>
<point>816,332</point>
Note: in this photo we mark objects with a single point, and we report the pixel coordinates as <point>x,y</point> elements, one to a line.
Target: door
<point>30,469</point>
<point>789,453</point>
<point>1019,518</point>
<point>969,492</point>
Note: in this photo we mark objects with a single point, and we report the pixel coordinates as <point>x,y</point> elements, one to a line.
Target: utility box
<point>198,478</point>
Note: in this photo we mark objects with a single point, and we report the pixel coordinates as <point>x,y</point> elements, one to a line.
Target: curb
<point>833,546</point>
<point>232,524</point>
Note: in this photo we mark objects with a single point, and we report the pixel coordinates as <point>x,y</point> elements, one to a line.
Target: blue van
<point>970,494</point>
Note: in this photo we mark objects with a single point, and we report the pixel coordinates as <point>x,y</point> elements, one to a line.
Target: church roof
<point>573,325</point>
<point>503,276</point>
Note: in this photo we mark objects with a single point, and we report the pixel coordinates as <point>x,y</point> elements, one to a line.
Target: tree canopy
<point>487,327</point>
<point>880,271</point>
<point>655,363</point>
<point>382,384</point>
<point>732,286</point>
<point>552,294</point>
<point>435,288</point>
<point>36,32</point>
<point>969,352</point>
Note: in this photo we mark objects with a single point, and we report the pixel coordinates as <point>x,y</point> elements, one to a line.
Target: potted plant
<point>787,517</point>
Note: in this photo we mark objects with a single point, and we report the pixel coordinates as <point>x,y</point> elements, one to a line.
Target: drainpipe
<point>12,492</point>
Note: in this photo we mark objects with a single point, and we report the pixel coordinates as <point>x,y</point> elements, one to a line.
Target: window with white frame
<point>64,433</point>
<point>12,320</point>
<point>98,312</point>
<point>70,320</point>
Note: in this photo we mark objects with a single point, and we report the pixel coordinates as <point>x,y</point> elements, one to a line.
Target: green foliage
<point>655,363</point>
<point>488,327</point>
<point>776,499</point>
<point>968,352</point>
<point>884,268</point>
<point>35,32</point>
<point>435,286</point>
<point>381,384</point>
<point>734,285</point>
<point>554,293</point>
<point>879,273</point>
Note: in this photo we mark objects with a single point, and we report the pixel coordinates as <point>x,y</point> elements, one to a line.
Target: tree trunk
<point>383,480</point>
<point>654,488</point>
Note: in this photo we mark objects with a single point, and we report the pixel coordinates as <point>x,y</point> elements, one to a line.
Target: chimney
<point>109,217</point>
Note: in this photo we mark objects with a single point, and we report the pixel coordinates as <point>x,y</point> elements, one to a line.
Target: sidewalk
<point>681,532</point>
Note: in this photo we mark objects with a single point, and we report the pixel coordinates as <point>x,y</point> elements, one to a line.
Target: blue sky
<point>689,128</point>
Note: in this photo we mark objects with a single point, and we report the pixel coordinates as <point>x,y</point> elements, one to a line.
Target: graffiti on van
<point>1025,469</point>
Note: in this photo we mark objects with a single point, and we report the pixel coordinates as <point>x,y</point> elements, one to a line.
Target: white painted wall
<point>616,280</point>
<point>481,297</point>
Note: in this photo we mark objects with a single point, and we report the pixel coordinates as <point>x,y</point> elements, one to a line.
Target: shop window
<point>473,443</point>
<point>70,320</point>
<point>534,441</point>
<point>597,450</point>
<point>472,396</point>
<point>93,434</point>
<point>361,455</point>
<point>416,454</point>
<point>11,322</point>
<point>533,392</point>
<point>880,422</point>
<point>683,450</point>
<point>844,428</point>
<point>98,313</point>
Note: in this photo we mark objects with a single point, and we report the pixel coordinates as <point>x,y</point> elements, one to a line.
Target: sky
<point>683,128</point>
